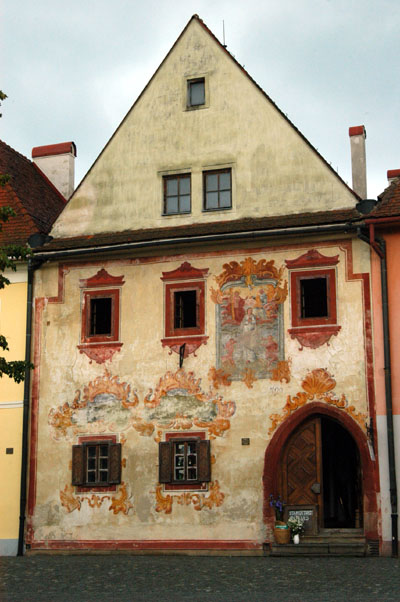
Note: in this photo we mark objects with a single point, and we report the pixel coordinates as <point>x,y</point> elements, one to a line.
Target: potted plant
<point>296,526</point>
<point>281,530</point>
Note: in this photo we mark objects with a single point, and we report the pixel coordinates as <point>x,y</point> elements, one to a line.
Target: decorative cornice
<point>102,278</point>
<point>185,272</point>
<point>313,336</point>
<point>312,258</point>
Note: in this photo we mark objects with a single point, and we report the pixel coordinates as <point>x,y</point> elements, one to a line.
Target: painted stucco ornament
<point>249,321</point>
<point>318,385</point>
<point>106,406</point>
<point>179,403</point>
<point>214,498</point>
<point>119,502</point>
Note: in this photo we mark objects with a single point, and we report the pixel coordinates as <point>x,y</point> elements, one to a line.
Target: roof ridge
<point>10,148</point>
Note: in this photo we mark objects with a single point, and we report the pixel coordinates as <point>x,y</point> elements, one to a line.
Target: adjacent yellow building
<point>36,203</point>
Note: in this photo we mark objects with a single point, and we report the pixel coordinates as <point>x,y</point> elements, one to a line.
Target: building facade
<point>202,331</point>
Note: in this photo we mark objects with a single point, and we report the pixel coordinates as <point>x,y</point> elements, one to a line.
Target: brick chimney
<point>358,160</point>
<point>392,174</point>
<point>57,162</point>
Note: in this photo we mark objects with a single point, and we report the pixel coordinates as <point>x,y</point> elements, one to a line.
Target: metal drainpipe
<point>380,249</point>
<point>32,266</point>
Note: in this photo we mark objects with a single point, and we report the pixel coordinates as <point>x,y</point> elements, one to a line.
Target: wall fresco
<point>249,319</point>
<point>106,405</point>
<point>317,385</point>
<point>179,403</point>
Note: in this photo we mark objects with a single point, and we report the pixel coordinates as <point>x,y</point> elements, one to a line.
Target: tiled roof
<point>62,148</point>
<point>214,228</point>
<point>388,202</point>
<point>32,196</point>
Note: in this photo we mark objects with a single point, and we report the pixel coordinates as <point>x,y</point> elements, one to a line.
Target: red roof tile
<point>32,196</point>
<point>388,202</point>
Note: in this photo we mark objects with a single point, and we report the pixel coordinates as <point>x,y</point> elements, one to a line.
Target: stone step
<point>332,548</point>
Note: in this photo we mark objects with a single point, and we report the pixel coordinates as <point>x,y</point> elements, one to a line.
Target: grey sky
<point>73,69</point>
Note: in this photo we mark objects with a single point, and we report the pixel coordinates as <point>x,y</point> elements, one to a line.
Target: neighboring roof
<point>388,202</point>
<point>30,193</point>
<point>299,221</point>
<point>54,149</point>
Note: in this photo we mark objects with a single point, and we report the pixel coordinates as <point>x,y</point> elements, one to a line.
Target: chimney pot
<point>57,162</point>
<point>392,174</point>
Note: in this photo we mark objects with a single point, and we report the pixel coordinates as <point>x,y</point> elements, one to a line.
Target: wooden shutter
<point>78,465</point>
<point>114,474</point>
<point>203,461</point>
<point>165,462</point>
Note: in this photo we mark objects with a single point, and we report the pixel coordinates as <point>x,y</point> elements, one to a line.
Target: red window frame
<point>295,281</point>
<point>170,290</point>
<point>112,294</point>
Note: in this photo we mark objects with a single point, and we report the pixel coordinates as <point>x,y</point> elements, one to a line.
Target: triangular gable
<point>275,170</point>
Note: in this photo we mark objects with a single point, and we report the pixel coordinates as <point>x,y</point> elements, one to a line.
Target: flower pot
<point>296,538</point>
<point>282,534</point>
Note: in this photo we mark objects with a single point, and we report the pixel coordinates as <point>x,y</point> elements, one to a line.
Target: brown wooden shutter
<point>164,462</point>
<point>78,465</point>
<point>114,474</point>
<point>203,461</point>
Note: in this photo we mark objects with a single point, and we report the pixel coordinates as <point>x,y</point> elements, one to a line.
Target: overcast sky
<point>72,69</point>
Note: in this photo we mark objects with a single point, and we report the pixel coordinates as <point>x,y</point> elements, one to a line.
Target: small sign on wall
<point>307,513</point>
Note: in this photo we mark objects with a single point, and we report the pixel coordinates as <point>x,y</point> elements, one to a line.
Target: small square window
<point>313,298</point>
<point>100,316</point>
<point>184,461</point>
<point>96,464</point>
<point>217,189</point>
<point>184,309</point>
<point>177,192</point>
<point>196,93</point>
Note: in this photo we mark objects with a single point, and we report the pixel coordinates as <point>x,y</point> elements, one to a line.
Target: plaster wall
<point>274,171</point>
<point>393,250</point>
<point>146,512</point>
<point>12,326</point>
<point>60,170</point>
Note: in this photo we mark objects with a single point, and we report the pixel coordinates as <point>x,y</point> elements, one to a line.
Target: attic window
<point>196,92</point>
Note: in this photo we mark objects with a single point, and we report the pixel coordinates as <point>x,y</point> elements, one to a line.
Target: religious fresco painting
<point>249,318</point>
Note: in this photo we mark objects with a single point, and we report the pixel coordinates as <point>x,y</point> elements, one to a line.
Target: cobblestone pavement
<point>121,578</point>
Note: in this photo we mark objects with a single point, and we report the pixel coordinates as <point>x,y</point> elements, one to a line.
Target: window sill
<point>313,336</point>
<point>192,343</point>
<point>100,352</point>
<point>216,209</point>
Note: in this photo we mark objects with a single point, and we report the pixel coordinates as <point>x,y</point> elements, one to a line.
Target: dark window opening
<point>100,316</point>
<point>314,298</point>
<point>185,309</point>
<point>217,189</point>
<point>177,194</point>
<point>196,92</point>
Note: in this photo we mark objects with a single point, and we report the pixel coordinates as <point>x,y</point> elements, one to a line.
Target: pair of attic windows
<point>217,191</point>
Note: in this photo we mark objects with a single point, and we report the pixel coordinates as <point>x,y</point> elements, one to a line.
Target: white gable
<point>274,170</point>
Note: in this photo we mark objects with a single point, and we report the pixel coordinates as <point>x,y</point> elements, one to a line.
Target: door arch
<point>320,465</point>
<point>368,467</point>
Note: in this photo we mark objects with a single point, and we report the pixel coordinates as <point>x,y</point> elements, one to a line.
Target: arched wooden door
<point>320,465</point>
<point>301,466</point>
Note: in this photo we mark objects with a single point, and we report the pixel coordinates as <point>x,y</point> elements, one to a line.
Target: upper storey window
<point>217,189</point>
<point>196,92</point>
<point>177,193</point>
